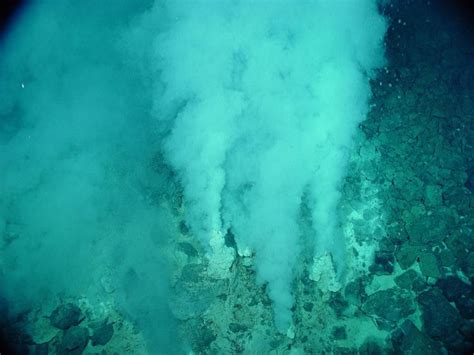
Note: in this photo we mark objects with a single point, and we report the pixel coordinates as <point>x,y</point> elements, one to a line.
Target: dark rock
<point>229,239</point>
<point>466,233</point>
<point>453,288</point>
<point>237,328</point>
<point>468,265</point>
<point>203,337</point>
<point>406,279</point>
<point>73,341</point>
<point>354,293</point>
<point>457,344</point>
<point>465,305</point>
<point>470,180</point>
<point>65,316</point>
<point>400,301</point>
<point>397,233</point>
<point>370,347</point>
<point>419,285</point>
<point>338,304</point>
<point>456,196</point>
<point>386,245</point>
<point>446,258</point>
<point>339,333</point>
<point>192,273</point>
<point>188,249</point>
<point>430,229</point>
<point>369,214</point>
<point>462,347</point>
<point>102,334</point>
<point>253,301</point>
<point>440,318</point>
<point>276,342</point>
<point>384,324</point>
<point>305,280</point>
<point>406,255</point>
<point>266,301</point>
<point>41,349</point>
<point>467,329</point>
<point>345,351</point>
<point>433,195</point>
<point>397,338</point>
<point>458,248</point>
<point>409,340</point>
<point>410,187</point>
<point>429,265</point>
<point>308,306</point>
<point>183,228</point>
<point>383,263</point>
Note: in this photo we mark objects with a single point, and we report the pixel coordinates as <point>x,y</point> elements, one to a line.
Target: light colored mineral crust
<point>221,257</point>
<point>290,333</point>
<point>244,252</point>
<point>324,274</point>
<point>246,255</point>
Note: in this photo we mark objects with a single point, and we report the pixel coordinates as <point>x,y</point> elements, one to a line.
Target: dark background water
<point>8,10</point>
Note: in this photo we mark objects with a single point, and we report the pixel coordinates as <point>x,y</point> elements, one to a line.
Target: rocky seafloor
<point>407,211</point>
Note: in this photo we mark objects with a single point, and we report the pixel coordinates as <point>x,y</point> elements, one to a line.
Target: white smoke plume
<point>262,99</point>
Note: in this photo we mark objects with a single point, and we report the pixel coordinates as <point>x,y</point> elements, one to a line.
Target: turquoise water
<point>222,177</point>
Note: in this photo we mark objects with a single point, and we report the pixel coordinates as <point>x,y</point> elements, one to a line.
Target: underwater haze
<point>236,176</point>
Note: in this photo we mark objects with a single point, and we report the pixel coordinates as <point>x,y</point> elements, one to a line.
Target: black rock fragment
<point>65,316</point>
<point>74,341</point>
<point>102,334</point>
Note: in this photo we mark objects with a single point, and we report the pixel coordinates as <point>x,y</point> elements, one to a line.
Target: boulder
<point>440,318</point>
<point>429,265</point>
<point>66,315</point>
<point>453,288</point>
<point>409,340</point>
<point>102,334</point>
<point>73,341</point>
<point>406,279</point>
<point>400,301</point>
